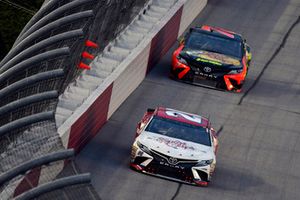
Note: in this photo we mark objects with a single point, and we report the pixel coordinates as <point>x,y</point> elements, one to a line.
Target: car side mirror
<point>181,39</point>
<point>139,125</point>
<point>248,54</point>
<point>247,48</point>
<point>138,129</point>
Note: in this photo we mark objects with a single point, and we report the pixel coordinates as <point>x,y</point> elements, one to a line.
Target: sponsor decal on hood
<point>213,58</point>
<point>176,144</point>
<point>176,147</point>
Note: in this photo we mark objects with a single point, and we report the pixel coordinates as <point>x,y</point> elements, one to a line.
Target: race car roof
<point>182,116</point>
<point>218,32</point>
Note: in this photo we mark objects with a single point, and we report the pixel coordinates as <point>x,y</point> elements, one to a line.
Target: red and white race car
<point>175,145</point>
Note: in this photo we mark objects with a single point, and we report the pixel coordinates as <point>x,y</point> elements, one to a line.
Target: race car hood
<point>212,58</point>
<point>175,147</point>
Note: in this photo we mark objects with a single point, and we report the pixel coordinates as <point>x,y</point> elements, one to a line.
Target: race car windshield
<point>179,130</point>
<point>202,41</point>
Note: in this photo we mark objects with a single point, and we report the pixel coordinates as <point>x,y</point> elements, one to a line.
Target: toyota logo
<point>172,161</point>
<point>207,69</point>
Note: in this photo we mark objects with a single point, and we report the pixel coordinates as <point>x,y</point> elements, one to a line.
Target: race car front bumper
<point>223,81</point>
<point>157,165</point>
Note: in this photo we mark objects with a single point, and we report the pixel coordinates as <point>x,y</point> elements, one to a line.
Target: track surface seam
<point>220,130</point>
<point>177,191</point>
<point>270,60</point>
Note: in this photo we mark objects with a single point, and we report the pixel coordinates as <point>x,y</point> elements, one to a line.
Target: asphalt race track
<point>259,154</point>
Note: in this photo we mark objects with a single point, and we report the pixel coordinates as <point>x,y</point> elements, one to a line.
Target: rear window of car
<point>179,130</point>
<point>207,42</point>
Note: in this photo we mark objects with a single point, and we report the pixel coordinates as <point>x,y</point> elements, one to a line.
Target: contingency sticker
<point>217,59</point>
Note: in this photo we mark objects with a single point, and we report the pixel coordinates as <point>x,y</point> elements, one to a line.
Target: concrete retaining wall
<point>125,65</point>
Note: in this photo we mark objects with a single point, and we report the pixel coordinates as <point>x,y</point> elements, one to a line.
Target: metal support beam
<point>54,185</point>
<point>43,160</point>
<point>25,121</point>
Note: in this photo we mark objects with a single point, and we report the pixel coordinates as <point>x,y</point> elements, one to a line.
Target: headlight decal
<point>182,60</point>
<point>204,163</point>
<point>236,71</point>
<point>143,148</point>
